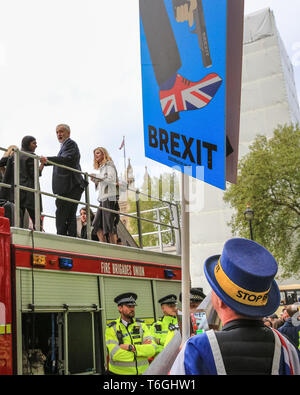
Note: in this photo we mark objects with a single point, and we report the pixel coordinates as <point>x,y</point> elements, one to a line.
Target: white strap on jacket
<point>214,345</point>
<point>277,354</point>
<point>219,360</point>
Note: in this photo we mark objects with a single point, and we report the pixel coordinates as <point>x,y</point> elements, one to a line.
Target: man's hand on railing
<point>43,160</point>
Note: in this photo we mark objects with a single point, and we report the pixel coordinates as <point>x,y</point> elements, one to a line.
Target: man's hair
<point>65,126</point>
<point>291,310</point>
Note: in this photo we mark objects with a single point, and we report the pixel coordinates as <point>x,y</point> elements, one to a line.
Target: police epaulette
<point>111,324</point>
<point>138,320</point>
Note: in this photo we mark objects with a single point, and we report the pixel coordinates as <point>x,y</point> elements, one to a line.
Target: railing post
<point>175,211</point>
<point>17,188</point>
<point>88,209</point>
<point>37,200</point>
<point>138,211</point>
<point>171,223</point>
<point>159,231</point>
<point>185,256</point>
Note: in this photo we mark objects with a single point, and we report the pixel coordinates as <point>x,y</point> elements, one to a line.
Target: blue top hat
<point>243,277</point>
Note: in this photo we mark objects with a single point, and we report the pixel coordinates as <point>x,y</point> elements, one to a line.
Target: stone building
<point>269,98</point>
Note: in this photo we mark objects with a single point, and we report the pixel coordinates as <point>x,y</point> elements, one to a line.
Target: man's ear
<point>217,301</point>
<point>221,303</point>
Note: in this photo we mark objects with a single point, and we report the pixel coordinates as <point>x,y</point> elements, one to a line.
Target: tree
<point>269,181</point>
<point>153,190</point>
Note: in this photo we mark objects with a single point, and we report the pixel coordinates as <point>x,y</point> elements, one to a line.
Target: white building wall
<point>269,98</point>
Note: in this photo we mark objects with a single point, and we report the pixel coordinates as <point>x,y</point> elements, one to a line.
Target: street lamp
<point>249,215</point>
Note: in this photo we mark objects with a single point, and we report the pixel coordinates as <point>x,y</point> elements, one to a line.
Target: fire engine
<point>56,297</point>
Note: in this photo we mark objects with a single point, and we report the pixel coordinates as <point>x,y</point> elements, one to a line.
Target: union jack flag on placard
<point>186,95</point>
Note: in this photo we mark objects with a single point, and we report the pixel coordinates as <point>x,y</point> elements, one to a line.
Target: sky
<point>78,62</point>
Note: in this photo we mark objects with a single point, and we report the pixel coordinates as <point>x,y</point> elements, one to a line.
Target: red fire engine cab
<point>56,297</point>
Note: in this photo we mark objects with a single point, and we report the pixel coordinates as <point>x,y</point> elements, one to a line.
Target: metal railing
<point>159,232</point>
<point>174,225</point>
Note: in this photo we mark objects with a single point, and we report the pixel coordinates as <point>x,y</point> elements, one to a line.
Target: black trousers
<point>160,39</point>
<point>31,213</point>
<point>66,213</point>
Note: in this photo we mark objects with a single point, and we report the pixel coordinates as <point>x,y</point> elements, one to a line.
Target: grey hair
<point>65,126</point>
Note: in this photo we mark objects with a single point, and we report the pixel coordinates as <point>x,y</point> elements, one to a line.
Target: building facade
<point>269,98</point>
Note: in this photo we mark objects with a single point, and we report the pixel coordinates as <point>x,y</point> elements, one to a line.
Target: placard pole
<point>185,257</point>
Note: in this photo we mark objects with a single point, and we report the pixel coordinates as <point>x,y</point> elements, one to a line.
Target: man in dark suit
<point>65,182</point>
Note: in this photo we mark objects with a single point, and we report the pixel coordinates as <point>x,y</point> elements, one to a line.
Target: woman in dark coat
<point>26,178</point>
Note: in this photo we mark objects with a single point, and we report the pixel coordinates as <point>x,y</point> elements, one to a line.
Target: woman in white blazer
<point>106,181</point>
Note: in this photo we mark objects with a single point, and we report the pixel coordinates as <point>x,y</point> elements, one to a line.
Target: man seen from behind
<point>243,292</point>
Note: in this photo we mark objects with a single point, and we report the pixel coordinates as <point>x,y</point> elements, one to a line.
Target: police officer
<point>197,318</point>
<point>166,324</point>
<point>196,297</point>
<point>128,340</point>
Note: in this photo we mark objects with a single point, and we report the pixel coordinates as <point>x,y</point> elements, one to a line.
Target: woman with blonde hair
<point>3,161</point>
<point>106,181</point>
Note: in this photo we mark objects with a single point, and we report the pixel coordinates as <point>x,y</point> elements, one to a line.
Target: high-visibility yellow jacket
<point>161,328</point>
<point>124,362</point>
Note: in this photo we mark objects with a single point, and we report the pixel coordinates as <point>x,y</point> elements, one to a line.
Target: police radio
<point>136,330</point>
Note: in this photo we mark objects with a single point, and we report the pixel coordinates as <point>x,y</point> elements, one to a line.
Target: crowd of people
<point>66,184</point>
<point>284,324</point>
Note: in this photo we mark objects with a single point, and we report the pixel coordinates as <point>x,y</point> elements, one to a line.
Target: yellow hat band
<point>237,293</point>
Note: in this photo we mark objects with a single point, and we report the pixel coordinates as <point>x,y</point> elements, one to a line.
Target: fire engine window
<point>42,344</point>
<point>80,343</point>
